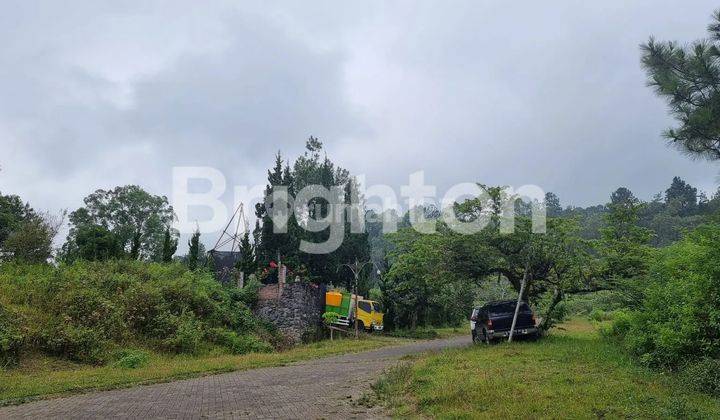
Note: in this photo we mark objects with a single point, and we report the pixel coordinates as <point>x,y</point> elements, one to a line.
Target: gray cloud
<point>94,95</point>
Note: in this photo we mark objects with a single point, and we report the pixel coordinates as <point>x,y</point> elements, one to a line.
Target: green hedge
<point>86,310</point>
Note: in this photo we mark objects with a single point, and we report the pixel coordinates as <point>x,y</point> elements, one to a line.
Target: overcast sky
<point>96,95</point>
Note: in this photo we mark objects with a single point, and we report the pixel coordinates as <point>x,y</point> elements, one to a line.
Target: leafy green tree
<point>624,249</point>
<point>552,205</point>
<point>688,77</point>
<point>678,321</point>
<point>12,213</point>
<point>93,243</point>
<point>32,241</point>
<point>138,218</point>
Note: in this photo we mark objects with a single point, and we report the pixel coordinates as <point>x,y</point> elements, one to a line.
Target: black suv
<point>494,320</point>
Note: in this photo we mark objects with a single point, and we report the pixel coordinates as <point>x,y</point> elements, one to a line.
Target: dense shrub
<point>131,359</point>
<point>11,339</point>
<point>186,334</point>
<point>78,343</point>
<point>703,375</point>
<point>238,344</point>
<point>604,300</point>
<point>85,310</point>
<point>680,315</point>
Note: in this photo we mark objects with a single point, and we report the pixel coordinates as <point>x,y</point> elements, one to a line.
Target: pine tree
<point>268,245</point>
<point>688,77</point>
<point>247,263</point>
<point>193,257</point>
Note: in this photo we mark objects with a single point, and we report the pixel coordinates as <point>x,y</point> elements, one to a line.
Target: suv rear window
<point>506,308</point>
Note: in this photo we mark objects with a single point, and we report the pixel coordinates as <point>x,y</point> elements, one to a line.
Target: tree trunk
<point>135,246</point>
<point>557,298</point>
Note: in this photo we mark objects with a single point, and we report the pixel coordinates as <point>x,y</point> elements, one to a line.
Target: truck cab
<point>370,313</point>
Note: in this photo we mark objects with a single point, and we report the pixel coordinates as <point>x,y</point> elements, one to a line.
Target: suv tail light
<point>473,317</point>
<point>489,323</point>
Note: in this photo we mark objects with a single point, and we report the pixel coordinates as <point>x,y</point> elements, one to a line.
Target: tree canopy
<point>137,219</point>
<point>688,77</point>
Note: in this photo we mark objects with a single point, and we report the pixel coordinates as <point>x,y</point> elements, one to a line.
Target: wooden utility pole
<point>519,300</point>
<point>356,268</point>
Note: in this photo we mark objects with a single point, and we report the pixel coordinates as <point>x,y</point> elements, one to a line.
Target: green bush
<point>238,344</point>
<point>83,310</point>
<point>618,329</point>
<point>11,339</point>
<point>703,375</point>
<point>680,315</point>
<point>131,359</point>
<point>81,344</point>
<point>603,300</point>
<point>187,334</point>
<point>330,318</point>
<point>598,315</point>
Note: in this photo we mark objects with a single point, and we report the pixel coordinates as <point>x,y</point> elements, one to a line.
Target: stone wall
<point>295,308</point>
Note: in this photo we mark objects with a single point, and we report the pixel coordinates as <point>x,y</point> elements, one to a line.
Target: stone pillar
<point>282,273</point>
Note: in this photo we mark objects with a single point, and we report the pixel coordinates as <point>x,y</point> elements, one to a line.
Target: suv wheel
<point>486,338</point>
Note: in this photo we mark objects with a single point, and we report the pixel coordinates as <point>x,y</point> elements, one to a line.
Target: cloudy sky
<point>97,94</point>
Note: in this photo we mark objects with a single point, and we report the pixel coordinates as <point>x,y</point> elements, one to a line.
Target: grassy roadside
<point>44,377</point>
<point>573,373</point>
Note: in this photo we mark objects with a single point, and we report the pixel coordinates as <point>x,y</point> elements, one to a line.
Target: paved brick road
<point>321,388</point>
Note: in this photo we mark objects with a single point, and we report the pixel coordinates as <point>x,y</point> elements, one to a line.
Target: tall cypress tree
<point>170,245</point>
<point>193,257</point>
<point>247,263</point>
<point>269,243</point>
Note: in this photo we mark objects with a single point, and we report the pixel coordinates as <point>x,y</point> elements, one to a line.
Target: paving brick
<point>322,388</point>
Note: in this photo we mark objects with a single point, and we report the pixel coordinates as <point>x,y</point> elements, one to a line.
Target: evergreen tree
<point>309,169</point>
<point>623,197</point>
<point>247,263</point>
<point>688,77</point>
<point>193,257</point>
<point>269,243</point>
<point>169,248</point>
<point>681,197</point>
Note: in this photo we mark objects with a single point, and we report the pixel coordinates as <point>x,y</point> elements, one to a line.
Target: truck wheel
<point>486,338</point>
<point>361,326</point>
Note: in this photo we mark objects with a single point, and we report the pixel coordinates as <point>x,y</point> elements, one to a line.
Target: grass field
<point>42,376</point>
<point>573,373</point>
